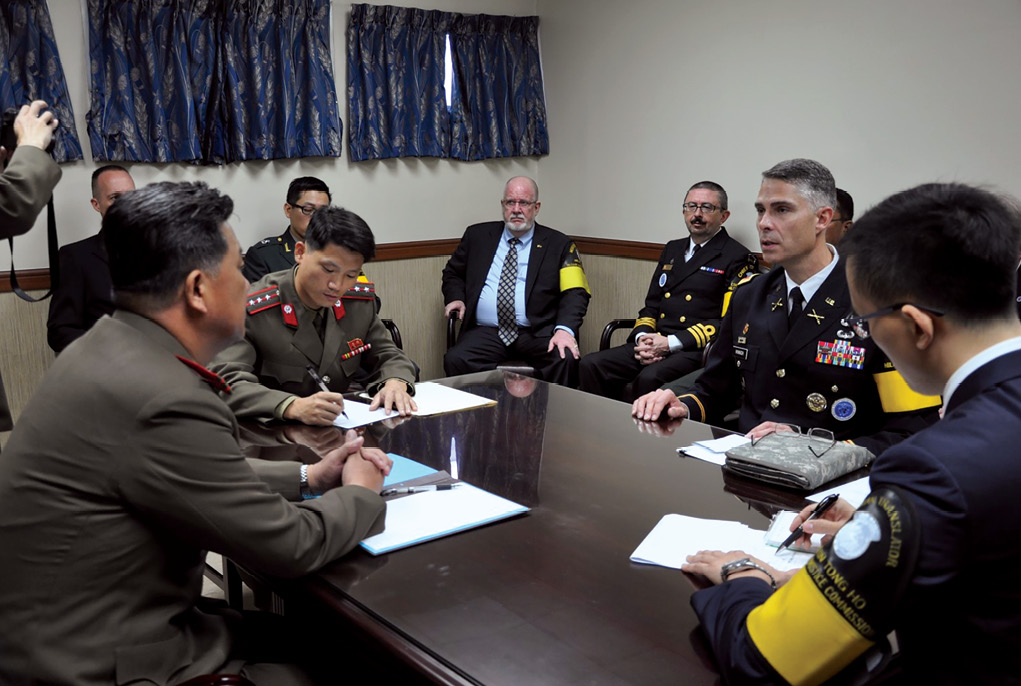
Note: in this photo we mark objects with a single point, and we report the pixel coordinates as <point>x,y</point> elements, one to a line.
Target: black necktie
<point>320,324</point>
<point>508,325</point>
<point>694,251</point>
<point>797,307</point>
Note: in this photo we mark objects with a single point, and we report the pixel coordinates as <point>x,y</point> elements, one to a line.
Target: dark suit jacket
<point>85,292</point>
<point>546,305</point>
<point>959,621</point>
<point>820,375</point>
<point>25,186</point>
<point>123,470</point>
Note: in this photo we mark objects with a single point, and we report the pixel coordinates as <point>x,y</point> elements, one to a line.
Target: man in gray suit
<point>124,469</point>
<point>25,186</point>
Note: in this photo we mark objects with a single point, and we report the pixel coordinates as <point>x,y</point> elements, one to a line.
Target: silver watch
<point>304,487</point>
<point>742,564</point>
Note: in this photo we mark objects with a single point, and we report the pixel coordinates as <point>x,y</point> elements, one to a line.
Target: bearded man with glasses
<point>687,298</point>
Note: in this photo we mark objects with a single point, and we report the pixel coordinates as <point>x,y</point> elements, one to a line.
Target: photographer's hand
<point>35,127</point>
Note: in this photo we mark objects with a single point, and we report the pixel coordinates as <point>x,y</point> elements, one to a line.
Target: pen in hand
<point>322,384</point>
<point>820,509</point>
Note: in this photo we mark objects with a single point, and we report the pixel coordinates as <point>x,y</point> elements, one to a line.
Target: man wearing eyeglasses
<point>519,290</point>
<point>843,217</point>
<point>787,352</point>
<point>305,195</point>
<point>933,552</point>
<point>687,297</point>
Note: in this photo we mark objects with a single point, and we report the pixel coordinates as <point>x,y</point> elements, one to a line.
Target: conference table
<point>551,596</point>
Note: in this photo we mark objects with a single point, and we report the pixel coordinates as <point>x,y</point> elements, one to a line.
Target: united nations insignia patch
<point>662,279</point>
<point>843,409</point>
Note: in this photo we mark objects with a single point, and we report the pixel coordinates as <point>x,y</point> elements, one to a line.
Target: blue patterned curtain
<point>395,83</point>
<point>211,80</point>
<point>32,70</point>
<point>498,107</point>
<point>279,93</point>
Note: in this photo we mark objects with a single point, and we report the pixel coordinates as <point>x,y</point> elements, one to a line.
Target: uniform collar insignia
<point>214,380</point>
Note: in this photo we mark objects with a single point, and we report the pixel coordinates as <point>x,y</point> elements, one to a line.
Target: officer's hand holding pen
<point>826,524</point>
<point>323,387</point>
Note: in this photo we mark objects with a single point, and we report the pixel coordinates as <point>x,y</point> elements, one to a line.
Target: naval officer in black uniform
<point>787,352</point>
<point>687,298</point>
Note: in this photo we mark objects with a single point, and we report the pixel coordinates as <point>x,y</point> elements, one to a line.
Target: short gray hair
<point>814,181</point>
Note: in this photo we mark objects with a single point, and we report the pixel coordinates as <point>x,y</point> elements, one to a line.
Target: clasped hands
<point>351,464</point>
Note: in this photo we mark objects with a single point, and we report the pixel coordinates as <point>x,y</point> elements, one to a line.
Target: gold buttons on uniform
<point>781,373</point>
<point>661,315</point>
<point>666,295</point>
<point>682,319</point>
<point>688,296</point>
<point>774,403</point>
<point>834,389</point>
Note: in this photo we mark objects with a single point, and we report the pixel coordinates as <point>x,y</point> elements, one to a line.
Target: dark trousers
<point>480,349</point>
<point>608,372</point>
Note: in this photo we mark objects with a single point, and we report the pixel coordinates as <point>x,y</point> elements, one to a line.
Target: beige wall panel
<point>618,288</point>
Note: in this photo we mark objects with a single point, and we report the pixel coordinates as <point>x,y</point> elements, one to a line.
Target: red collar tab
<point>263,300</point>
<point>214,380</point>
<point>338,310</point>
<point>362,291</point>
<point>290,316</point>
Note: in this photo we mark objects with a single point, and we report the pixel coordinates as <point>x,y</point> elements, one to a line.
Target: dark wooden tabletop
<point>549,597</point>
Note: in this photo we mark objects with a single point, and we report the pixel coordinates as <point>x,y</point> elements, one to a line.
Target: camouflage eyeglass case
<point>793,460</point>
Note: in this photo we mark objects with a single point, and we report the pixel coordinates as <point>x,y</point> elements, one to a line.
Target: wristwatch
<point>304,487</point>
<point>741,565</point>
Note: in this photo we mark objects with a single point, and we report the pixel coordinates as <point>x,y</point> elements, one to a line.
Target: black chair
<point>395,333</point>
<point>516,366</point>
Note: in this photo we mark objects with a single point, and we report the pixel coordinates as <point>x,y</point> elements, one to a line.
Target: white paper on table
<point>677,536</point>
<point>359,414</point>
<point>425,516</point>
<point>853,492</point>
<point>714,450</point>
<point>434,398</point>
<point>780,530</point>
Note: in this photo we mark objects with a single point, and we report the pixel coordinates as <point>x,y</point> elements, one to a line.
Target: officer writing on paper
<point>786,352</point>
<point>316,313</point>
<point>934,550</point>
<point>25,186</point>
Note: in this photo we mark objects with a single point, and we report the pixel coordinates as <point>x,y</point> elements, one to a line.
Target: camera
<point>8,138</point>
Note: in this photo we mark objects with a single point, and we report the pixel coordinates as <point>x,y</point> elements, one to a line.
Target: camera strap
<point>51,234</point>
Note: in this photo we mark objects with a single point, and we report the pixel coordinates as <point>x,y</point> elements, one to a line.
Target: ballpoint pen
<point>322,384</point>
<point>419,489</point>
<point>820,509</point>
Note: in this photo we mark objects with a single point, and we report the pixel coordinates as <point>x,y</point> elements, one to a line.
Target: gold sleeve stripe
<point>698,402</point>
<point>802,635</point>
<point>702,333</point>
<point>896,396</point>
<point>646,321</point>
<point>573,276</point>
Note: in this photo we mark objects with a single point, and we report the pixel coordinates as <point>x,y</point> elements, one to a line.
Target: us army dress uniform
<point>821,374</point>
<point>269,366</point>
<point>686,300</point>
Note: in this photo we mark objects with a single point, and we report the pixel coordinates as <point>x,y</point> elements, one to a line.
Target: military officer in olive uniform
<point>687,297</point>
<point>787,343</point>
<point>305,195</point>
<point>317,314</point>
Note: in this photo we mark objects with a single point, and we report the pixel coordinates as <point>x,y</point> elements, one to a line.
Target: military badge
<point>711,270</point>
<point>843,409</point>
<point>290,318</point>
<point>662,280</point>
<point>816,402</point>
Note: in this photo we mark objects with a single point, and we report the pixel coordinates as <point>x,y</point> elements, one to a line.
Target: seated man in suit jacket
<point>124,469</point>
<point>687,298</point>
<point>85,293</point>
<point>520,291</point>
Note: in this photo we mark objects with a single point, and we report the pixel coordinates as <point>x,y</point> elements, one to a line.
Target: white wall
<point>646,97</point>
<point>402,200</point>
